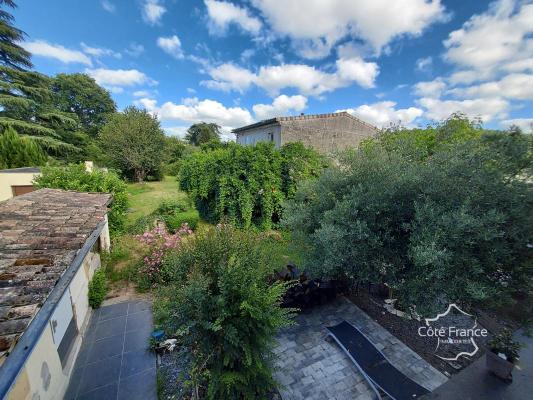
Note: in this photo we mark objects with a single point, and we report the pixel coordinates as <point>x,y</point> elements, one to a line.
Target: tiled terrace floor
<point>114,361</point>
<point>312,368</point>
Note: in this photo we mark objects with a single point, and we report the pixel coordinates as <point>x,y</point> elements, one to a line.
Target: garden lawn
<point>145,197</point>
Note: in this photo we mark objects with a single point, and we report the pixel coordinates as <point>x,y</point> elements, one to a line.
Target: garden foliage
<point>19,151</point>
<point>97,288</point>
<point>246,184</point>
<point>75,177</point>
<point>452,227</point>
<point>223,310</point>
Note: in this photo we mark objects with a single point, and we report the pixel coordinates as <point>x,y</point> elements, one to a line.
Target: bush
<point>453,228</point>
<point>246,185</point>
<point>175,221</point>
<point>97,288</point>
<point>75,177</point>
<point>173,206</point>
<point>224,312</point>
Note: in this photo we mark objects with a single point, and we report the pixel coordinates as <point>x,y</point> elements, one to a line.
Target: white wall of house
<point>8,180</point>
<point>266,133</point>
<point>43,376</point>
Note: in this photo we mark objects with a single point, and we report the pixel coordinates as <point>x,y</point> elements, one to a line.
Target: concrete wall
<point>326,134</point>
<point>261,134</point>
<point>13,179</point>
<point>43,377</point>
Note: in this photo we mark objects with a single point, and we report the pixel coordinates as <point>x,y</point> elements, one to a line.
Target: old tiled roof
<point>299,118</point>
<point>40,234</point>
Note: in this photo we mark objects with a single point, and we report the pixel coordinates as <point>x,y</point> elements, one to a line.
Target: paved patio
<point>312,368</point>
<point>114,361</point>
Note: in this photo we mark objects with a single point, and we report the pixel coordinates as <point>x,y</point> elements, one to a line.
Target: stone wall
<point>326,134</point>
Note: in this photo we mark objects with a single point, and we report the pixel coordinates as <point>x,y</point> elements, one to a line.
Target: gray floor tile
<point>73,385</point>
<point>139,321</point>
<point>135,362</point>
<point>135,340</point>
<point>105,348</point>
<point>99,374</point>
<point>112,311</point>
<point>108,392</point>
<point>137,306</point>
<point>111,327</point>
<point>139,387</point>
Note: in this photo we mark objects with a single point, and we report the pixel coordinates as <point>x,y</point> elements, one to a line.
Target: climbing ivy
<point>246,185</point>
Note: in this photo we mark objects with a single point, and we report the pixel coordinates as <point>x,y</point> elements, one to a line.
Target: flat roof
<point>41,234</point>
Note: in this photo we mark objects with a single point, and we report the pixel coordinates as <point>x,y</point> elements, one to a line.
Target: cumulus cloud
<point>486,108</point>
<point>192,110</point>
<point>152,11</point>
<point>489,42</point>
<point>108,6</point>
<point>306,79</point>
<point>113,78</point>
<point>322,24</point>
<point>424,64</point>
<point>99,51</point>
<point>134,49</point>
<point>222,14</point>
<point>384,113</point>
<point>281,105</point>
<point>432,88</point>
<point>526,124</point>
<point>171,45</point>
<point>513,86</point>
<point>57,52</point>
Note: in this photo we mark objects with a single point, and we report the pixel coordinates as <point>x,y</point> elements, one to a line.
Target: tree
<point>134,143</point>
<point>16,151</point>
<point>81,95</point>
<point>202,133</point>
<point>12,54</point>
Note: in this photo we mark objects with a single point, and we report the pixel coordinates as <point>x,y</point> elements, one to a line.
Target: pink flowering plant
<point>159,241</point>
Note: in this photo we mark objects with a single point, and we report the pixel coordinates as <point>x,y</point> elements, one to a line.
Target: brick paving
<point>312,368</point>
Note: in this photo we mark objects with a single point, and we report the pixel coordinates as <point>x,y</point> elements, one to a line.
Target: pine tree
<point>25,96</point>
<point>19,151</point>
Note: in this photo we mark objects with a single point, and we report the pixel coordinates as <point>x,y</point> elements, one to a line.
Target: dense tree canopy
<point>202,133</point>
<point>452,227</point>
<point>17,151</point>
<point>12,55</point>
<point>134,143</point>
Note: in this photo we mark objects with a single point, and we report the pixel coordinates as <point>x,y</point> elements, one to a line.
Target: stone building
<point>50,244</point>
<point>326,133</point>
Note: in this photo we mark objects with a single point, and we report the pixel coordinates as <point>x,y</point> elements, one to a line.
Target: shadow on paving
<point>114,361</point>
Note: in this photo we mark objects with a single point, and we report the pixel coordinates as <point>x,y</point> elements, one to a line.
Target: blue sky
<point>237,62</point>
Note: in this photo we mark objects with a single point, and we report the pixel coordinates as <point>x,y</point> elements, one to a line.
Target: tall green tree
<point>202,132</point>
<point>81,95</point>
<point>17,151</point>
<point>11,53</point>
<point>134,143</point>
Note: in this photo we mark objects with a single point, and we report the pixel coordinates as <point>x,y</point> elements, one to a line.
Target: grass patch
<point>145,197</point>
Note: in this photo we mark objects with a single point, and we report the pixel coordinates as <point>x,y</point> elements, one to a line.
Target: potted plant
<point>502,355</point>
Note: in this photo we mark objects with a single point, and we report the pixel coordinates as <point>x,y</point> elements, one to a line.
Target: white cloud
<point>384,114</point>
<point>171,45</point>
<point>487,109</point>
<point>424,64</point>
<point>119,77</point>
<point>192,110</point>
<point>281,105</point>
<point>134,49</point>
<point>142,93</point>
<point>432,88</point>
<point>324,23</point>
<point>178,131</point>
<point>99,51</point>
<point>56,51</point>
<point>222,14</point>
<point>152,11</point>
<point>513,86</point>
<point>108,6</point>
<point>307,79</point>
<point>488,42</point>
<point>526,124</point>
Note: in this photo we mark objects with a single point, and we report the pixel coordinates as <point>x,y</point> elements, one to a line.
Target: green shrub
<point>173,206</point>
<point>246,184</point>
<point>97,288</point>
<point>74,177</point>
<point>454,227</point>
<point>224,312</point>
<point>175,221</point>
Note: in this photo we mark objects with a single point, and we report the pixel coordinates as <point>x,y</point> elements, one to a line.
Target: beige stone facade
<point>326,133</point>
<point>11,179</point>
